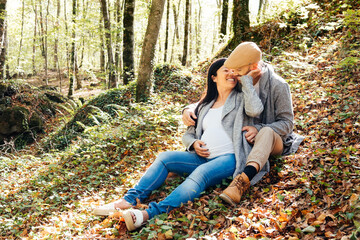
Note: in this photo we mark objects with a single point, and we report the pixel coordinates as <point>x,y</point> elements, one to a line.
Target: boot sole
<point>227,199</point>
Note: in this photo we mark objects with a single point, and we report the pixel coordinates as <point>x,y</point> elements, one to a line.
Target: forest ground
<point>313,194</point>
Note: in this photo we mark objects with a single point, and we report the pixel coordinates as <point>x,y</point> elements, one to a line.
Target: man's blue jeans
<point>202,173</point>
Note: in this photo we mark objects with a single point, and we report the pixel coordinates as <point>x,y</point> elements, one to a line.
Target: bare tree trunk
<point>240,27</point>
<point>22,33</point>
<point>66,42</point>
<point>84,17</point>
<point>118,35</point>
<point>3,38</point>
<point>224,17</point>
<point>112,70</point>
<point>102,44</point>
<point>167,30</point>
<point>198,31</point>
<point>73,68</point>
<point>43,40</point>
<point>186,33</point>
<point>46,43</point>
<point>147,54</point>
<point>3,29</point>
<point>128,41</point>
<point>56,57</point>
<point>34,39</point>
<point>176,30</point>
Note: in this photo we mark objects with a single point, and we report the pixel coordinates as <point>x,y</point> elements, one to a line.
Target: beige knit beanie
<point>245,53</point>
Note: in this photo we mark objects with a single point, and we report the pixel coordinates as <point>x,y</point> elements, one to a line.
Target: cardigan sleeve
<point>253,104</point>
<point>189,138</point>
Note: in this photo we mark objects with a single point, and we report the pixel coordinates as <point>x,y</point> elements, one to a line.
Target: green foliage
<point>172,79</point>
<point>97,111</point>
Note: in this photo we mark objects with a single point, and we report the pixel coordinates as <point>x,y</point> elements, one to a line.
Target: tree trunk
<point>176,30</point>
<point>56,57</point>
<point>102,44</point>
<point>112,71</point>
<point>73,67</point>
<point>240,27</point>
<point>34,39</point>
<point>128,41</point>
<point>167,30</point>
<point>186,33</point>
<point>198,31</point>
<point>224,17</point>
<point>147,54</point>
<point>118,35</point>
<point>3,39</point>
<point>66,42</point>
<point>22,34</point>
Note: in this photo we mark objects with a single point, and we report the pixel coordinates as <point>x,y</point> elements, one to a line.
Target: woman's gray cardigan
<point>239,109</point>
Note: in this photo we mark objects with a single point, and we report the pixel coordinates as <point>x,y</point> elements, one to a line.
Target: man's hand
<point>254,73</point>
<point>251,133</point>
<point>188,117</point>
<point>200,148</point>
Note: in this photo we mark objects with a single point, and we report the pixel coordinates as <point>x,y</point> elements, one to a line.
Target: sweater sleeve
<point>189,138</point>
<point>253,104</point>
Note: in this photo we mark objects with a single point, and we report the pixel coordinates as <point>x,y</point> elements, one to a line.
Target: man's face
<point>242,70</point>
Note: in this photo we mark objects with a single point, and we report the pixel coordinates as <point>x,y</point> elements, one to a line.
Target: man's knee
<point>265,132</point>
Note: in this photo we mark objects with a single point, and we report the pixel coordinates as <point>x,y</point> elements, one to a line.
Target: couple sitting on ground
<point>245,116</point>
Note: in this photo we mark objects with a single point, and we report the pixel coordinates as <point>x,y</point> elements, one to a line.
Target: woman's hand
<point>200,148</point>
<point>188,117</point>
<point>251,133</point>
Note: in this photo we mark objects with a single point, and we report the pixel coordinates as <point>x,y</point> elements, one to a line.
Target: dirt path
<point>91,86</point>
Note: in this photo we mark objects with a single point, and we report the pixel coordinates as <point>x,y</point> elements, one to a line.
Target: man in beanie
<point>272,132</point>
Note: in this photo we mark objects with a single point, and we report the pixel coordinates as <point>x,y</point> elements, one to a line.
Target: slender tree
<point>186,32</point>
<point>128,41</point>
<point>118,17</point>
<point>176,37</point>
<point>107,25</point>
<point>3,34</point>
<point>102,44</point>
<point>22,33</point>
<point>167,30</point>
<point>56,51</point>
<point>73,55</point>
<point>34,4</point>
<point>147,54</point>
<point>224,17</point>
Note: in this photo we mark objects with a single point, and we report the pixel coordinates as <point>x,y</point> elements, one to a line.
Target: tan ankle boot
<point>232,194</point>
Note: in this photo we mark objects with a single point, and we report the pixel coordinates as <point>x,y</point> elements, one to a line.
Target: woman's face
<point>225,78</point>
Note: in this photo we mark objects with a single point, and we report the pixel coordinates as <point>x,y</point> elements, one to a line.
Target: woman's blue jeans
<point>202,173</point>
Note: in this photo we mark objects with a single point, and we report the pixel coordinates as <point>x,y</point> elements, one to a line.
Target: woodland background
<point>91,92</point>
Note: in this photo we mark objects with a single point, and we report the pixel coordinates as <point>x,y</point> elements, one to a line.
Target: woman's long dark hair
<point>211,89</point>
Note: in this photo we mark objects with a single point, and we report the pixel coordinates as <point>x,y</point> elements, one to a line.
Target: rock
<point>14,120</point>
<point>55,97</point>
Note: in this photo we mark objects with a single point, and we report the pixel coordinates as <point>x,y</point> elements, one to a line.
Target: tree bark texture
<point>22,33</point>
<point>34,38</point>
<point>148,50</point>
<point>241,28</point>
<point>73,67</point>
<point>119,8</point>
<point>186,33</point>
<point>3,37</point>
<point>167,30</point>
<point>102,44</point>
<point>128,41</point>
<point>224,17</point>
<point>107,25</point>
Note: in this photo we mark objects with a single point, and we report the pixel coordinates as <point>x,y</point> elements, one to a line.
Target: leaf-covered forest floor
<point>314,194</point>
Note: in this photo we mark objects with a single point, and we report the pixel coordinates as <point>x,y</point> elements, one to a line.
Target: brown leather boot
<point>232,194</point>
